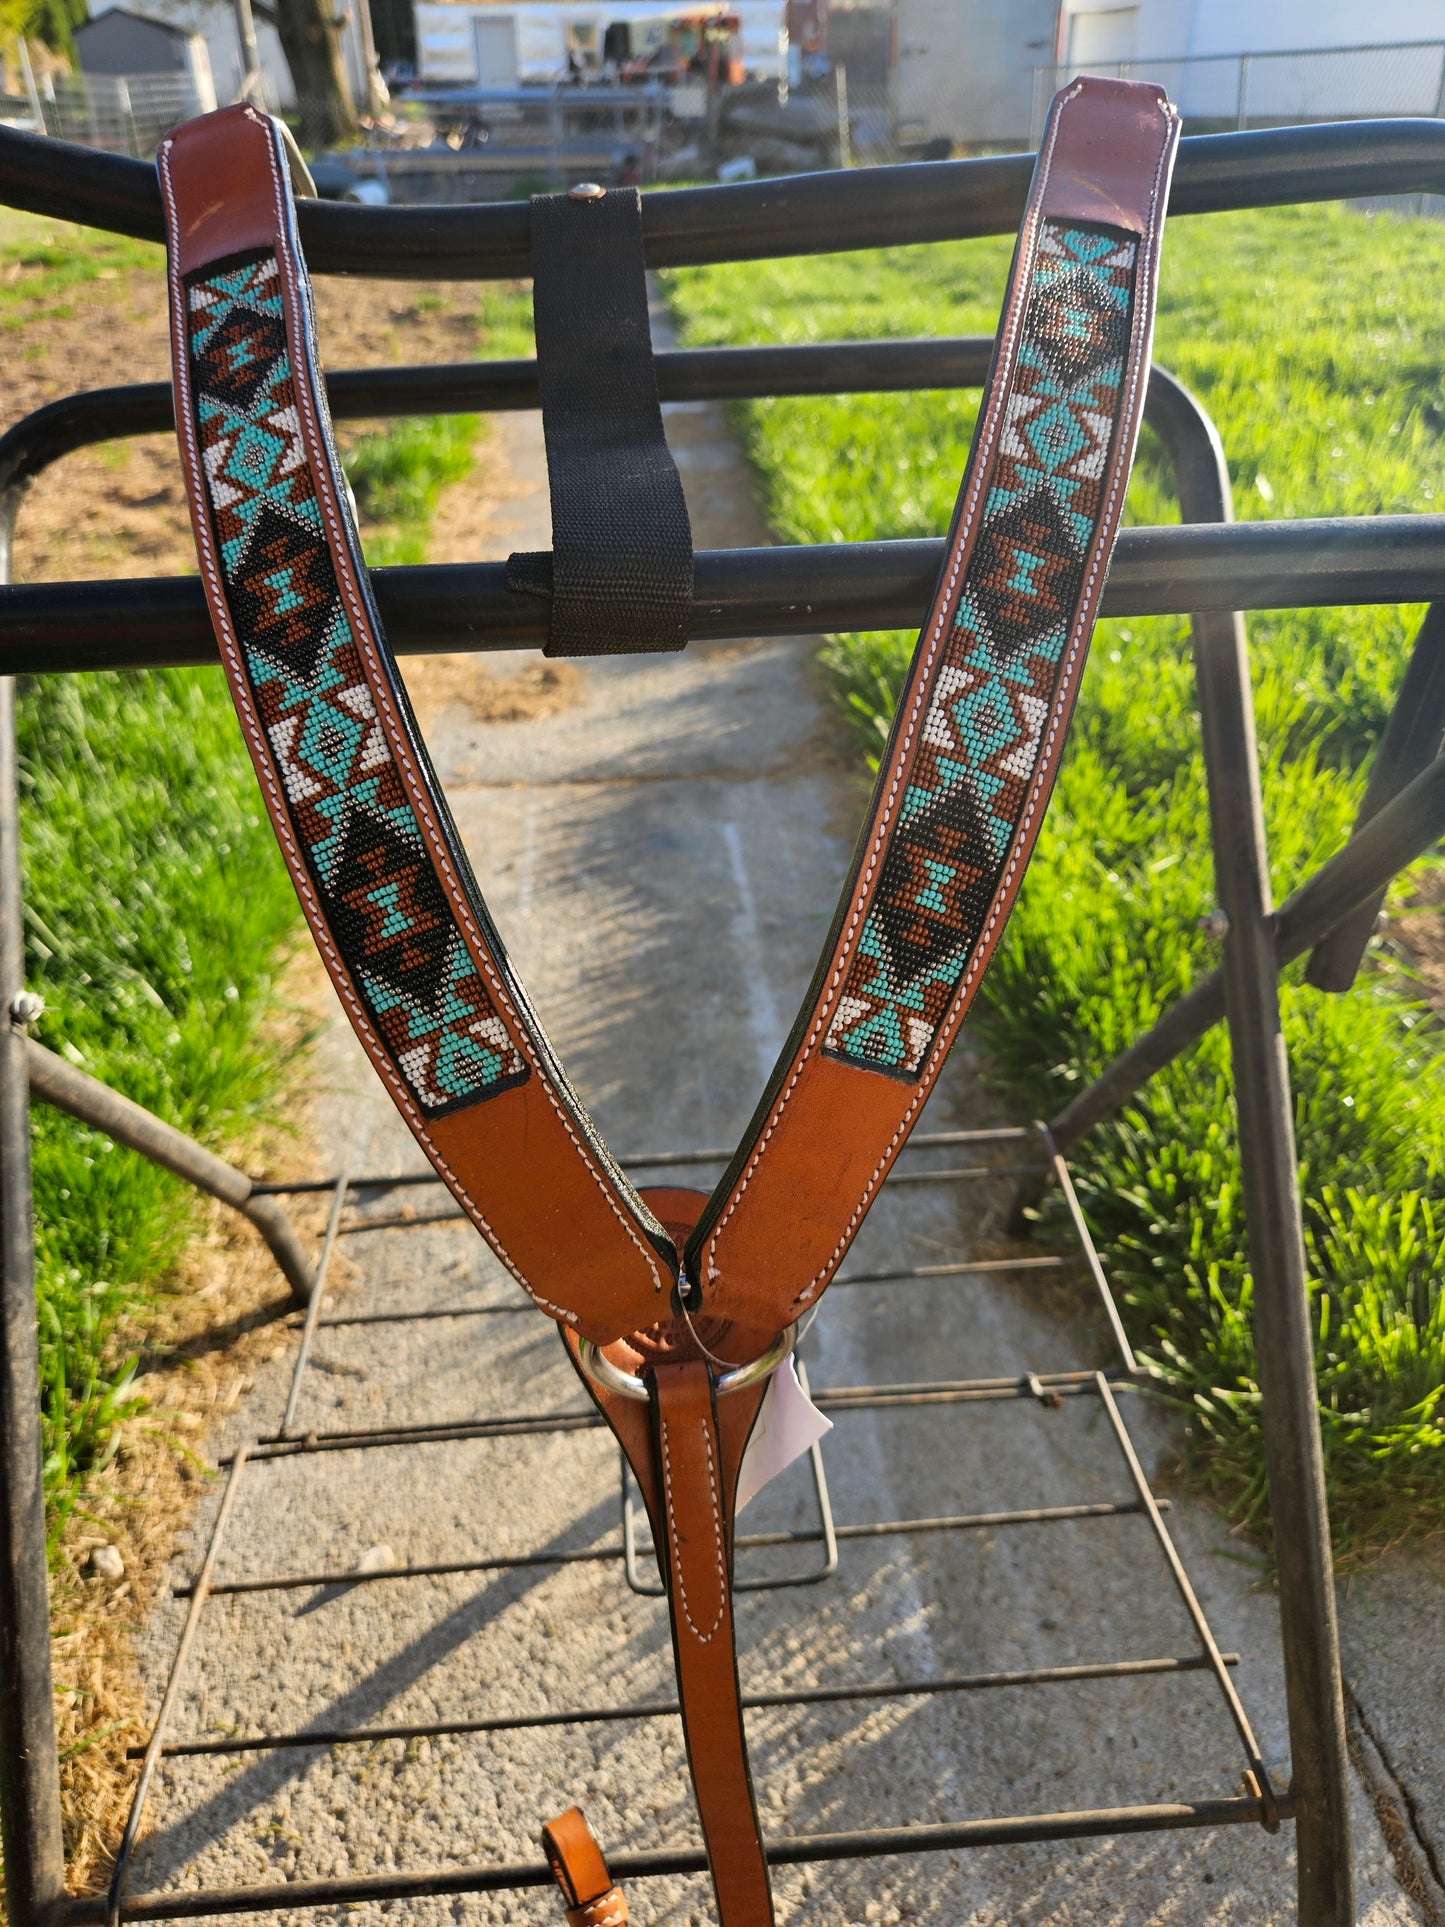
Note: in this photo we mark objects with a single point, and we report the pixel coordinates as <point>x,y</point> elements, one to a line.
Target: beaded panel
<point>997,679</point>
<point>363,848</point>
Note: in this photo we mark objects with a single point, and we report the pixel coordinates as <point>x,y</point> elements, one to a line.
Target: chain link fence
<point>123,114</point>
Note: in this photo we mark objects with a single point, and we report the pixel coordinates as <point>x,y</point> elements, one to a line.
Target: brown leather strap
<point>576,1860</point>
<point>357,809</point>
<point>685,1447</point>
<point>981,722</point>
<point>960,796</point>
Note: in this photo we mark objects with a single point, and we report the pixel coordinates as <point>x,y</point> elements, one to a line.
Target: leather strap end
<point>581,1872</point>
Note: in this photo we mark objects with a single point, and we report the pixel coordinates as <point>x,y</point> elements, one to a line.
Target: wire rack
<point>986,1156</point>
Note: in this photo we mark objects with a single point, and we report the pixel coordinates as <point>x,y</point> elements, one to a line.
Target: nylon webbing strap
<point>620,571</point>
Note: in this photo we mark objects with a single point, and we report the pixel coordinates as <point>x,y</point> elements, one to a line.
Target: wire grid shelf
<point>986,1155</point>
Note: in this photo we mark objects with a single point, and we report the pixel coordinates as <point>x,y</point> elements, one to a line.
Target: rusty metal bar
<point>960,1268</point>
<point>112,1908</point>
<point>843,1398</point>
<point>911,1274</point>
<point>74,1091</point>
<point>1269,1171</point>
<point>746,1542</point>
<point>34,1852</point>
<point>1404,830</point>
<point>318,1292</point>
<point>1208,1645</point>
<point>1091,1256</point>
<point>640,1161</point>
<point>660,1709</point>
<point>1410,743</point>
<point>806,1850</point>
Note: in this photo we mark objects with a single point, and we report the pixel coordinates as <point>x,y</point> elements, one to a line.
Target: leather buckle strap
<point>581,1872</point>
<point>686,1447</point>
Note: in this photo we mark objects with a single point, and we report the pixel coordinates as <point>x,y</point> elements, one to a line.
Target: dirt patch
<point>119,510</point>
<point>1417,933</point>
<point>436,683</point>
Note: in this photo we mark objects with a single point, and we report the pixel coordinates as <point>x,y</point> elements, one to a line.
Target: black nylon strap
<point>621,562</point>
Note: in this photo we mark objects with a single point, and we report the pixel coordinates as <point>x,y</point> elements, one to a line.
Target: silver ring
<point>600,1369</point>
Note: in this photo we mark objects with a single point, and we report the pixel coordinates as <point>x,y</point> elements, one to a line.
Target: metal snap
<point>586,191</point>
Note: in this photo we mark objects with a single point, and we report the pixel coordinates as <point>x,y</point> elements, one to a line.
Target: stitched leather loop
<point>581,1872</point>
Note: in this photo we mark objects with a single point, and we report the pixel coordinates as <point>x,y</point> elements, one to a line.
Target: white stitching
<point>997,401</point>
<point>400,750</point>
<point>702,1638</point>
<point>261,753</point>
<point>983,949</point>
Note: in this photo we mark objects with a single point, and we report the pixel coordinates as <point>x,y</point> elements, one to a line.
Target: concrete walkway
<point>662,852</point>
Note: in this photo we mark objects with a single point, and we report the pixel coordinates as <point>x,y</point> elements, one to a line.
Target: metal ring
<point>600,1369</point>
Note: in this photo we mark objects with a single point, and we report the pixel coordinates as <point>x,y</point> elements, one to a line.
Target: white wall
<point>1175,29</point>
<point>1249,26</point>
<point>216,24</point>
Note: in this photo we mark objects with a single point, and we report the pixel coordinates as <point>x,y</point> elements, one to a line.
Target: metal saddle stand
<point>1207,568</point>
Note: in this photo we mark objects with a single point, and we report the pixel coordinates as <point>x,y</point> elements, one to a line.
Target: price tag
<point>788,1423</point>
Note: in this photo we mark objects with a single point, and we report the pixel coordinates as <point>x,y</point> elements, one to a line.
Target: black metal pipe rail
<point>501,387</point>
<point>802,214</point>
<point>162,621</point>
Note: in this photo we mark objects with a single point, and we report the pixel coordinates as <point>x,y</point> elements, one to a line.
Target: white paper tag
<point>788,1423</point>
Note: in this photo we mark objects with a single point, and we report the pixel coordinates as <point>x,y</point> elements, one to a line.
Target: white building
<point>1259,61</point>
<point>981,72</point>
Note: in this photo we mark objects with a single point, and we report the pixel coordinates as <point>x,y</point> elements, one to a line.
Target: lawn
<point>1315,338</point>
<point>158,911</point>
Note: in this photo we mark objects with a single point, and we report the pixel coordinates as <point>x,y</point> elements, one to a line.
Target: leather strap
<point>576,1861</point>
<point>685,1447</point>
<point>956,812</point>
<point>355,804</point>
<point>980,725</point>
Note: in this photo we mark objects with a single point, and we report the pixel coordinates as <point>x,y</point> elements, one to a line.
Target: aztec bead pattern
<point>350,813</point>
<point>999,669</point>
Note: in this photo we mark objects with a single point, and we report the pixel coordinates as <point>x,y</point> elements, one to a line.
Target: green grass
<point>1315,339</point>
<point>157,908</point>
<point>43,263</point>
<point>158,912</point>
<point>397,471</point>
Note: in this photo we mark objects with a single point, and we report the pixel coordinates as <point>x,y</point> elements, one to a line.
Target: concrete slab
<point>662,856</point>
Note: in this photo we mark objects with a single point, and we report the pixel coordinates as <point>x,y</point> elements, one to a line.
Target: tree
<point>310,33</point>
<point>50,21</point>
